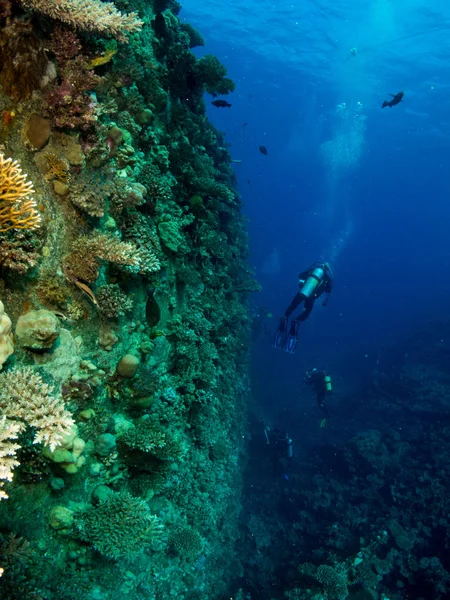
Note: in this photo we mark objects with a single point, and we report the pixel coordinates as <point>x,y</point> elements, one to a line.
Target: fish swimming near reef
<point>221,103</point>
<point>263,150</point>
<point>152,310</point>
<point>396,98</point>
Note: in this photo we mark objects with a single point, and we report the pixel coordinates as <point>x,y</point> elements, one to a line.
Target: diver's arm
<point>304,276</point>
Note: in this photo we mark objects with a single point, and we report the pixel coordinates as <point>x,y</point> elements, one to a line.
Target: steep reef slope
<point>123,327</point>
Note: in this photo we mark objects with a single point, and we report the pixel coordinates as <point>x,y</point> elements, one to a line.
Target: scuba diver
<point>313,283</point>
<point>259,326</point>
<point>322,388</point>
<point>279,446</point>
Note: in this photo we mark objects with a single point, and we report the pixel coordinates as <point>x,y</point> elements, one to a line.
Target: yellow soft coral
<point>17,207</point>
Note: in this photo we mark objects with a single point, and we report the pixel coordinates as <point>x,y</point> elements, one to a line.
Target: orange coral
<point>17,207</point>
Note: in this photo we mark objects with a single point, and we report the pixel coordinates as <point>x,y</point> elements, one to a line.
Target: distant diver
<point>396,99</point>
<point>259,326</point>
<point>313,283</point>
<point>221,104</point>
<point>263,150</point>
<point>322,388</point>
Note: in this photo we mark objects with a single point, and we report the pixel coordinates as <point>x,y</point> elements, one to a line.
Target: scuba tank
<point>312,281</point>
<point>327,381</point>
<point>289,447</point>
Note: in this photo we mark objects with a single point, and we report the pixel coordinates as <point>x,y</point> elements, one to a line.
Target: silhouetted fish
<point>221,103</point>
<point>396,98</point>
<point>152,310</point>
<point>263,150</point>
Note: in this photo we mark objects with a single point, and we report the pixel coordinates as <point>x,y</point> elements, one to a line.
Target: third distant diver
<point>313,282</point>
<point>322,387</point>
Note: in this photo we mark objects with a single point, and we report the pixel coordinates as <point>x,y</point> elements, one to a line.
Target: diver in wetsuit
<point>315,281</point>
<point>279,448</point>
<point>322,388</point>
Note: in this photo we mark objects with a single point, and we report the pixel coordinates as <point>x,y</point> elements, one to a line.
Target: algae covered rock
<point>105,444</point>
<point>37,329</point>
<point>37,131</point>
<point>6,340</point>
<point>128,366</point>
<point>60,517</point>
<point>170,235</point>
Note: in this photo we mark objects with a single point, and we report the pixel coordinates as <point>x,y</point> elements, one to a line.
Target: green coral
<point>170,235</point>
<point>212,74</point>
<point>149,436</point>
<point>186,542</point>
<point>119,527</point>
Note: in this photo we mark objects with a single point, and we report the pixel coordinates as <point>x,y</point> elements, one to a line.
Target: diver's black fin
<point>292,338</point>
<point>280,335</point>
<point>393,95</point>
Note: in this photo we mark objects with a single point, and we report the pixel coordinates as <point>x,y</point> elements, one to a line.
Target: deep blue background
<point>392,273</point>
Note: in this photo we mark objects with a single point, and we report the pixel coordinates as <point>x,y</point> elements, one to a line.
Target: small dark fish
<point>263,150</point>
<point>152,310</point>
<point>221,103</point>
<point>396,98</point>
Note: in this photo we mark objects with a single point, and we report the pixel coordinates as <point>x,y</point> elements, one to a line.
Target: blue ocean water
<point>343,180</point>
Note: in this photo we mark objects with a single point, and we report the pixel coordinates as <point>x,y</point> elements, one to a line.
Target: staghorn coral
<point>25,398</point>
<point>148,436</point>
<point>89,15</point>
<point>17,207</point>
<point>120,526</point>
<point>83,262</point>
<point>112,302</point>
<point>89,193</point>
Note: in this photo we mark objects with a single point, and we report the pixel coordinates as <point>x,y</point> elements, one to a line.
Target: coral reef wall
<point>123,322</point>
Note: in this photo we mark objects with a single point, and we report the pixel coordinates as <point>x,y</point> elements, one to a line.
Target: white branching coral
<point>89,15</point>
<point>9,431</point>
<point>27,399</point>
